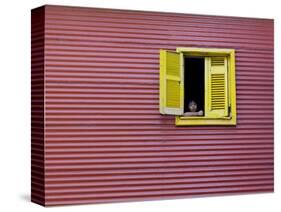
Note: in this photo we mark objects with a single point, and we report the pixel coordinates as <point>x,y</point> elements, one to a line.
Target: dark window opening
<point>194,69</point>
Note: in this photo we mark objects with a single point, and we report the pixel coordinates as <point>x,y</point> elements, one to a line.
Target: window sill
<point>201,121</point>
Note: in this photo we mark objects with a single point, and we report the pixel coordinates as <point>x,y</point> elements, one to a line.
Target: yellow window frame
<point>209,52</point>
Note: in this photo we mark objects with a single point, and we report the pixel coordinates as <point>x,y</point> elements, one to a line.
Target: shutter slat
<point>217,91</point>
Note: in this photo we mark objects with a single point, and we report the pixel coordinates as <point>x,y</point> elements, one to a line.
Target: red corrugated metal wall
<point>104,139</point>
<point>37,106</point>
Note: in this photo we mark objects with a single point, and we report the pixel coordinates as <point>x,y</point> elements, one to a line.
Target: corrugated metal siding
<point>37,106</point>
<point>105,140</point>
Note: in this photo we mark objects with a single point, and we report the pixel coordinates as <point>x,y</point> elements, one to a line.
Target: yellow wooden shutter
<point>217,87</point>
<point>171,83</point>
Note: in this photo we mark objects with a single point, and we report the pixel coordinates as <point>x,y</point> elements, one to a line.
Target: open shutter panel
<point>171,83</point>
<point>217,88</point>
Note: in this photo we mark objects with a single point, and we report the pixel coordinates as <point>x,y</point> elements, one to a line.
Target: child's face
<point>192,106</point>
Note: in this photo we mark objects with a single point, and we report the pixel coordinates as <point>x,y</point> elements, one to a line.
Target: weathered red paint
<point>97,135</point>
